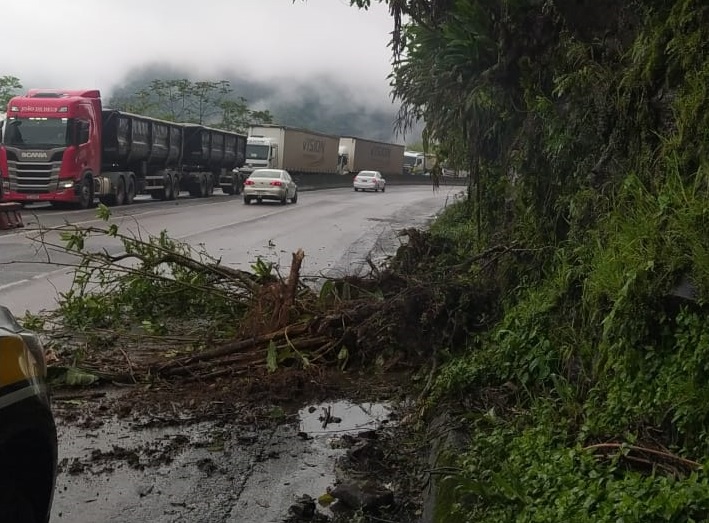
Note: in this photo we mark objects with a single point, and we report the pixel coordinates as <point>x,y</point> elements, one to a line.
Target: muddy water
<point>204,472</point>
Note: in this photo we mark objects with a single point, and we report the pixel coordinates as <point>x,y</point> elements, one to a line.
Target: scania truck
<point>298,151</point>
<point>358,154</point>
<point>63,147</point>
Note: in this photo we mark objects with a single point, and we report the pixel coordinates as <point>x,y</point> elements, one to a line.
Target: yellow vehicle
<point>28,436</point>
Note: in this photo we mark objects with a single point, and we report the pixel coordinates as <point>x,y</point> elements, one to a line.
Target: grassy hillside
<point>583,377</point>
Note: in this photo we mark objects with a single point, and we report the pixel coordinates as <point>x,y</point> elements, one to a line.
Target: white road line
<point>39,276</point>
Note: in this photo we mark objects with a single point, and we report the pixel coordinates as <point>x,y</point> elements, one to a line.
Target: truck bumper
<point>65,196</point>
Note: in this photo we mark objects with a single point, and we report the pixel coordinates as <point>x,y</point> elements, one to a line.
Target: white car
<point>369,181</point>
<point>270,184</point>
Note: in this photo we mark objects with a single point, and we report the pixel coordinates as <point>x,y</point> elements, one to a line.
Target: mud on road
<point>261,451</point>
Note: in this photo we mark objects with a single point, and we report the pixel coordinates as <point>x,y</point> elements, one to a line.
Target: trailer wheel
<point>167,192</point>
<point>175,187</point>
<point>130,191</point>
<point>86,192</point>
<point>203,186</point>
<point>210,186</point>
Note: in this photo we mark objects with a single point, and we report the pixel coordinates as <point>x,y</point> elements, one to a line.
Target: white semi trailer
<point>358,154</point>
<point>295,150</point>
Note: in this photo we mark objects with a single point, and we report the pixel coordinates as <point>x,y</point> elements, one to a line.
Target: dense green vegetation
<point>586,395</point>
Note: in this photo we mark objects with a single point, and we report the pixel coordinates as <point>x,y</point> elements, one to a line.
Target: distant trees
<point>204,102</point>
<point>9,86</point>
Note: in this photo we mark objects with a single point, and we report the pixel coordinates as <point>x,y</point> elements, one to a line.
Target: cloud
<point>97,43</point>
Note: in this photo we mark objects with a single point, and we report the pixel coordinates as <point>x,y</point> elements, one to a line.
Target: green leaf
<point>272,357</point>
<point>79,378</point>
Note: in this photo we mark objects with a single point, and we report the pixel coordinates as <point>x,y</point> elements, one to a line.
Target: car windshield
<point>266,174</point>
<point>257,152</point>
<point>36,132</point>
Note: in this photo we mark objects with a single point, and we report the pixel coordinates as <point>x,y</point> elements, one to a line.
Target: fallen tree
<point>157,309</point>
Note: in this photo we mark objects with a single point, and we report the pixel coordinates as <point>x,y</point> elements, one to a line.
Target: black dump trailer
<point>218,151</point>
<point>162,158</point>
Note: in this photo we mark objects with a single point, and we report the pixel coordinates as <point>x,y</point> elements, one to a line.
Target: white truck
<point>416,162</point>
<point>295,150</point>
<point>358,154</point>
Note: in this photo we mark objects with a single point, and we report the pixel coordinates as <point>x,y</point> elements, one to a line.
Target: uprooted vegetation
<point>162,310</point>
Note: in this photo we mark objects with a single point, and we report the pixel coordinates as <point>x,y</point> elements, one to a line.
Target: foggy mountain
<point>320,104</point>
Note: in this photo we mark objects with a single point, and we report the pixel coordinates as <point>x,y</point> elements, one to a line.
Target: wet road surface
<point>336,228</point>
<point>225,472</point>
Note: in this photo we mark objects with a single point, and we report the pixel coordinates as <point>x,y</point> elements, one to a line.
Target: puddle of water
<point>353,418</point>
<point>304,466</point>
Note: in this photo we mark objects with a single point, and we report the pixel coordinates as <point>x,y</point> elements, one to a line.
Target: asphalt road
<point>225,472</point>
<point>337,229</point>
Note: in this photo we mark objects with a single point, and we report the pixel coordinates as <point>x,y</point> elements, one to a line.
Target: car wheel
<point>295,197</point>
<point>384,188</point>
<point>247,200</point>
<point>15,506</point>
<point>356,190</point>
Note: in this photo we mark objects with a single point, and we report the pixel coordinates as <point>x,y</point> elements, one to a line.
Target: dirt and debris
<point>363,338</point>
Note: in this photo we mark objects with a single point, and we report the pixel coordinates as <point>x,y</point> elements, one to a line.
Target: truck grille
<point>32,177</point>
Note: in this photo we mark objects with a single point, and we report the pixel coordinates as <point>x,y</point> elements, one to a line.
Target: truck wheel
<point>168,190</point>
<point>130,191</point>
<point>86,193</point>
<point>210,186</point>
<point>202,186</point>
<point>175,187</point>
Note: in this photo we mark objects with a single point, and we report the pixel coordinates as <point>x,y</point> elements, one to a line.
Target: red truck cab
<point>51,147</point>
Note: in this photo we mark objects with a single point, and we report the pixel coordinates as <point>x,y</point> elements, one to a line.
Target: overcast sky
<point>95,43</point>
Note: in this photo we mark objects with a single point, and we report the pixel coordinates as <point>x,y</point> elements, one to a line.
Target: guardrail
<point>312,182</point>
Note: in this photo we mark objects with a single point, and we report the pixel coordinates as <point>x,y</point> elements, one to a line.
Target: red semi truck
<point>61,146</point>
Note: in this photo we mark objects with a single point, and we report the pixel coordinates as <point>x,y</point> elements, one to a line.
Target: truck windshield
<point>37,132</point>
<point>256,152</point>
<point>410,160</point>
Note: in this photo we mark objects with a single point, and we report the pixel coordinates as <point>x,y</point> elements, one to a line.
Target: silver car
<point>270,184</point>
<point>369,181</point>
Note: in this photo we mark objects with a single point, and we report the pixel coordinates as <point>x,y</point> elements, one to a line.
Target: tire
<point>384,188</point>
<point>210,186</point>
<point>15,505</point>
<point>295,197</point>
<point>175,187</point>
<point>120,196</point>
<point>202,186</point>
<point>247,200</point>
<point>167,192</point>
<point>130,191</point>
<point>356,190</point>
<point>284,200</point>
<point>86,193</point>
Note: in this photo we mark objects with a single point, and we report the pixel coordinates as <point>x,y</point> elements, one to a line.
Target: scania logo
<point>33,155</point>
